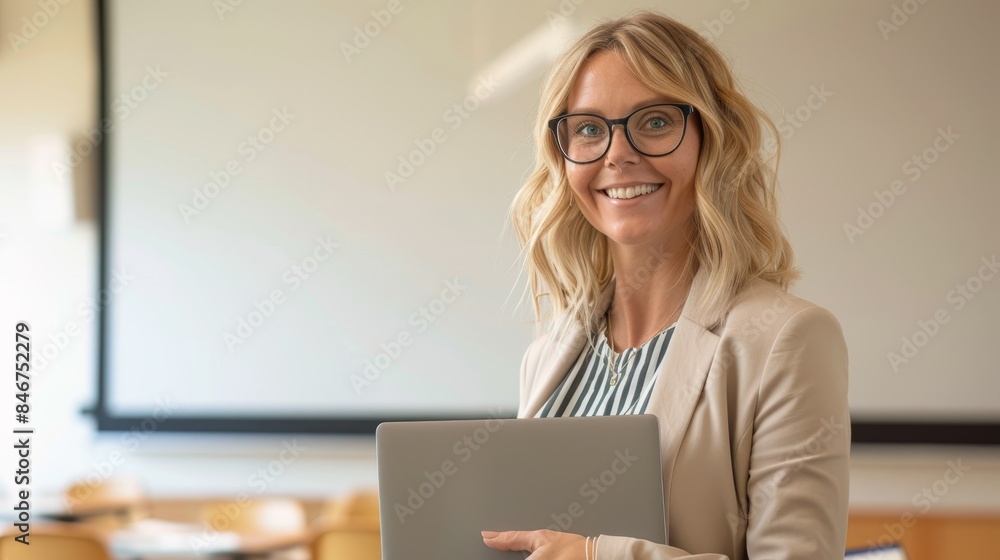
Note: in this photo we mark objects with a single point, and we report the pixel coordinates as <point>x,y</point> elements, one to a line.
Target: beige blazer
<point>754,428</point>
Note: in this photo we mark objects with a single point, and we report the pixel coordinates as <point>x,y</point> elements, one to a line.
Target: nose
<point>620,152</point>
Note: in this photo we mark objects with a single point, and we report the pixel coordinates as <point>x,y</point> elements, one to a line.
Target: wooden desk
<point>929,537</point>
<point>152,538</point>
<point>116,508</point>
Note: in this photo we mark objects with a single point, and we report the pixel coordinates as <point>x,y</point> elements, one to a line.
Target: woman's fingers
<point>557,545</point>
<point>514,540</point>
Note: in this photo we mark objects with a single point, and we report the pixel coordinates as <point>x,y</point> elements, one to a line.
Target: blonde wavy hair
<point>737,233</point>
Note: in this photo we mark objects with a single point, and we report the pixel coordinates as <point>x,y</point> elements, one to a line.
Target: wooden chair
<point>360,505</point>
<point>107,504</point>
<point>269,516</point>
<point>54,542</point>
<point>348,540</point>
<point>275,525</point>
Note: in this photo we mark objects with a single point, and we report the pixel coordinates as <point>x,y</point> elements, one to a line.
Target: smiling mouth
<point>631,192</point>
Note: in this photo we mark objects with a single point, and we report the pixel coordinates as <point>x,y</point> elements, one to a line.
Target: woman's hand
<point>550,545</point>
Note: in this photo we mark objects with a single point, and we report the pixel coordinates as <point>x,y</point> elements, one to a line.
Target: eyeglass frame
<point>686,110</point>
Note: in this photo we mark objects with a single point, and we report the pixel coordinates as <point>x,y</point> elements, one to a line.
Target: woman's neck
<point>651,284</point>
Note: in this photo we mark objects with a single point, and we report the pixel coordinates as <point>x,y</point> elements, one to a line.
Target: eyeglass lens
<point>654,131</point>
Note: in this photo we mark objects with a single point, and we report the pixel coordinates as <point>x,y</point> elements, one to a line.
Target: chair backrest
<point>110,504</point>
<point>54,543</point>
<point>269,516</point>
<point>359,505</point>
<point>352,540</point>
<point>114,490</point>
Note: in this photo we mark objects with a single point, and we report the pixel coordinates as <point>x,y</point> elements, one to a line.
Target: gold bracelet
<point>586,548</point>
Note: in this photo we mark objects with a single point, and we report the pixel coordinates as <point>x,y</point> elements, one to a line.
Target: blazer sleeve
<point>798,478</point>
<point>801,443</point>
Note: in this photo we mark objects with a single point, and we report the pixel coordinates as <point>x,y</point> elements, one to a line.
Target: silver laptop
<point>442,482</point>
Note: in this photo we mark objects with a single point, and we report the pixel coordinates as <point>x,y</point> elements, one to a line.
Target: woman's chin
<point>635,238</point>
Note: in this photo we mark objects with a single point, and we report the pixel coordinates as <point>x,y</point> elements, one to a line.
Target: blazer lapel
<point>682,374</point>
<point>680,380</point>
<point>557,355</point>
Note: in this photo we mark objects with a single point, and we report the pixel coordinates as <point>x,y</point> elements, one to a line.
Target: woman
<point>652,242</point>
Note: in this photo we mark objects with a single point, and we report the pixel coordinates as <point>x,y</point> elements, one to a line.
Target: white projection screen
<point>305,202</point>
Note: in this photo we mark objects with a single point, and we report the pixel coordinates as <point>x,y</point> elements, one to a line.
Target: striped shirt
<point>586,390</point>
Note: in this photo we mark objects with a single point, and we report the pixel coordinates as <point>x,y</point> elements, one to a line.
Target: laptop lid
<point>442,482</point>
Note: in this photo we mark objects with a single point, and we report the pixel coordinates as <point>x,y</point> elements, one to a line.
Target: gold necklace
<point>613,378</point>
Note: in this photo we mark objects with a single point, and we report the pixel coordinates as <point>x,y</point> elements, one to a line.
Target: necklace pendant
<point>614,378</point>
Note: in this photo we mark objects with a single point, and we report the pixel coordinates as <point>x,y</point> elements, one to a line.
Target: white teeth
<point>631,192</point>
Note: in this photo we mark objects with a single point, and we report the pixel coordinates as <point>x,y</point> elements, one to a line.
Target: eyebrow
<point>645,103</point>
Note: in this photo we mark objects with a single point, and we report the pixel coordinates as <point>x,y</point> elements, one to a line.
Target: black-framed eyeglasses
<point>653,131</point>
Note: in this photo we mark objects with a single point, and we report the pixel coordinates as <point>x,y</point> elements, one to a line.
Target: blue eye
<point>588,129</point>
<point>656,123</point>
